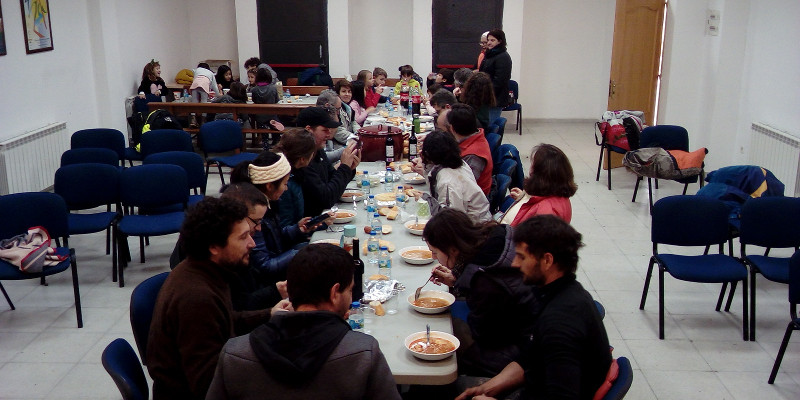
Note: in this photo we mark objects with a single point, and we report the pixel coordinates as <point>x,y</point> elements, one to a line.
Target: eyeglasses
<point>256,222</point>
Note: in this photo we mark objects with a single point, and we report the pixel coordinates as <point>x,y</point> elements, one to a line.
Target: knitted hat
<point>271,173</point>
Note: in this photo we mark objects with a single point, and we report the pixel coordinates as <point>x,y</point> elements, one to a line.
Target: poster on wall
<point>36,23</point>
<point>2,34</point>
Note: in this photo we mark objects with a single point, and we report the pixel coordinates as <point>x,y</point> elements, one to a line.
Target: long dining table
<point>391,330</point>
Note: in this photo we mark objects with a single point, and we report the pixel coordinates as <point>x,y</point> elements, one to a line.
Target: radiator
<point>778,152</point>
<point>28,162</point>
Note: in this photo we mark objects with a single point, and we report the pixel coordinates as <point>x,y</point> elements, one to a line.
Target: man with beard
<point>193,315</point>
<point>568,354</point>
<point>310,353</point>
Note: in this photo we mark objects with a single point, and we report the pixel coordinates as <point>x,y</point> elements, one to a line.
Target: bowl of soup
<point>415,227</point>
<point>441,345</point>
<point>416,255</point>
<point>431,301</point>
<point>351,196</point>
<point>343,217</point>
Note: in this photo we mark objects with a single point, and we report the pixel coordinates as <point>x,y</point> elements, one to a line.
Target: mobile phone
<point>318,219</point>
<point>359,144</point>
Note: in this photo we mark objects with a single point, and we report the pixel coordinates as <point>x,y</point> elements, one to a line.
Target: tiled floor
<point>44,355</point>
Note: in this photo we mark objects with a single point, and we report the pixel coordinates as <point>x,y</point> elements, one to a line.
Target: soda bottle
<point>404,97</point>
<point>389,149</point>
<point>373,244</point>
<point>416,101</point>
<point>355,318</point>
<point>358,273</point>
<point>385,262</point>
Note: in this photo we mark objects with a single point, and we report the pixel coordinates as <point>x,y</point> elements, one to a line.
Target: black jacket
<point>497,63</point>
<point>322,184</point>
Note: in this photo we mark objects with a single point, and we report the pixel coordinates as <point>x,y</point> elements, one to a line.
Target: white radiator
<point>778,152</point>
<point>28,162</point>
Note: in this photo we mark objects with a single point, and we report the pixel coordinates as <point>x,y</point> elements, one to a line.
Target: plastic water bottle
<point>389,107</point>
<point>388,179</point>
<point>371,207</point>
<point>400,195</point>
<point>186,96</point>
<point>365,182</point>
<point>356,319</point>
<point>376,224</point>
<point>385,262</point>
<point>373,247</point>
<point>287,95</point>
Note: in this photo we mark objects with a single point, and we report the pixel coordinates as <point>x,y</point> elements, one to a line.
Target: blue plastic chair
<point>223,137</point>
<point>121,363</point>
<point>509,151</point>
<point>507,167</point>
<point>21,211</point>
<point>494,144</point>
<point>500,123</point>
<point>601,141</point>
<point>513,86</point>
<point>107,138</point>
<point>192,163</point>
<point>149,188</point>
<point>161,140</point>
<point>668,137</point>
<point>769,222</point>
<point>86,186</point>
<point>692,221</point>
<point>143,302</point>
<point>624,381</point>
<point>89,155</point>
<point>503,182</point>
<point>794,300</point>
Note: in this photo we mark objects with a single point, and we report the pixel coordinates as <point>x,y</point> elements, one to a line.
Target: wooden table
<point>391,330</point>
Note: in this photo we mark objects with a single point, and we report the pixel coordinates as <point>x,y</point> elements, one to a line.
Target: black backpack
<point>160,119</point>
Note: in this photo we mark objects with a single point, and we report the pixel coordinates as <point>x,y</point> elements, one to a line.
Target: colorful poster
<point>36,22</point>
<point>2,34</point>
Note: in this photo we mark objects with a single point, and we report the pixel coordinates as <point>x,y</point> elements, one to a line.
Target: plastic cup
<point>393,302</point>
<point>369,317</point>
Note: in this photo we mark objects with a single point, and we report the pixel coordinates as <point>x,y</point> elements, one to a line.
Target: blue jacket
<point>290,205</point>
<point>275,246</point>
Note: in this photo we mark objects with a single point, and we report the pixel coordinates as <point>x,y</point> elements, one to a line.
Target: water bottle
<point>385,262</point>
<point>356,319</point>
<point>373,244</point>
<point>365,182</point>
<point>376,224</point>
<point>371,207</point>
<point>388,179</point>
<point>389,107</point>
<point>185,96</point>
<point>287,95</point>
<point>400,195</point>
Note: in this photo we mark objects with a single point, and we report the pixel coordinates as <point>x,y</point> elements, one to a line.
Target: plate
<point>376,119</point>
<point>409,226</point>
<point>434,334</point>
<point>425,118</point>
<point>334,242</point>
<point>416,260</point>
<point>350,196</point>
<point>434,294</point>
<point>413,178</point>
<point>343,217</point>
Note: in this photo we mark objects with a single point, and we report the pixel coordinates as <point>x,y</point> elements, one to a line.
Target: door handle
<point>612,88</point>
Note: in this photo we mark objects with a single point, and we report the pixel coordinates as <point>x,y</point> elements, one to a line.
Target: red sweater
<point>371,98</point>
<point>479,146</point>
<point>538,205</point>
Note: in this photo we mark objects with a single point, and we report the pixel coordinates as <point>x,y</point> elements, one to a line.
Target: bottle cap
<point>373,233</point>
<point>384,248</point>
<point>376,215</point>
<point>355,304</point>
<point>372,196</point>
<point>350,230</point>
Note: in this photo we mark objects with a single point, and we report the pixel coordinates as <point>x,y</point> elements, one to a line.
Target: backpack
<point>160,119</point>
<point>315,77</point>
<point>140,112</point>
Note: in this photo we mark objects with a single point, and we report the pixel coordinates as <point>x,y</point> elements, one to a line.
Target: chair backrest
<point>220,136</point>
<point>192,163</point>
<point>624,380</point>
<point>20,211</point>
<point>100,137</point>
<point>161,140</point>
<point>513,86</point>
<point>143,302</point>
<point>153,186</point>
<point>507,167</point>
<point>509,151</point>
<point>121,363</point>
<point>89,155</point>
<point>668,137</point>
<point>84,186</point>
<point>689,221</point>
<point>501,125</point>
<point>503,182</point>
<point>600,309</point>
<point>494,143</point>
<point>771,222</point>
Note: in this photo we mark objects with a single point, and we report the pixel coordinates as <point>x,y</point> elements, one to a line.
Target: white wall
<point>212,30</point>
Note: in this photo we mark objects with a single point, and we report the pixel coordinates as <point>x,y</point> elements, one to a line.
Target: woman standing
<point>475,261</point>
<point>497,63</point>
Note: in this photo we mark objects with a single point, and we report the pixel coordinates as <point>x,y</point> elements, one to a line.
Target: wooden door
<point>636,56</point>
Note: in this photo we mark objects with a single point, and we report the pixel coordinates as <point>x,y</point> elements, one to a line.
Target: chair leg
<point>141,249</point>
<point>650,192</point>
<point>519,121</point>
<point>660,302</point>
<point>779,358</point>
<point>746,333</point>
<point>752,304</point>
<point>75,289</point>
<point>647,283</point>
<point>636,189</point>
<point>685,186</point>
<point>43,281</point>
<point>108,240</point>
<point>221,178</point>
<point>656,183</point>
<point>599,164</point>
<point>721,295</point>
<point>8,299</point>
<point>608,164</point>
<point>114,253</point>
<point>730,296</point>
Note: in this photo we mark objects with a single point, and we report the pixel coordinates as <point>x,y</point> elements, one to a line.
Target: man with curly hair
<point>193,315</point>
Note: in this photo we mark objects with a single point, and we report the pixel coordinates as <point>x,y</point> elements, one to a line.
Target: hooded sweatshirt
<point>303,355</point>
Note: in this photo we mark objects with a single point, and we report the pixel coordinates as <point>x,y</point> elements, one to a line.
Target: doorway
<point>293,35</point>
<point>636,56</point>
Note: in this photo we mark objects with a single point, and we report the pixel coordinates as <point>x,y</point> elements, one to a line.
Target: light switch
<point>712,22</point>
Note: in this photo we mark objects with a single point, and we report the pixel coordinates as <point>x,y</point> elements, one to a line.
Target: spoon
<point>419,289</point>
<point>427,335</point>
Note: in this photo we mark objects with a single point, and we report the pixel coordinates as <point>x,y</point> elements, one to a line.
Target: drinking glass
<point>393,302</point>
<point>369,317</point>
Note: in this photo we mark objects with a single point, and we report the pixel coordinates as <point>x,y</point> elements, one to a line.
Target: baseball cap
<point>315,116</point>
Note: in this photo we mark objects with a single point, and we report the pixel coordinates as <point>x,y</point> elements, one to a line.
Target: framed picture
<point>2,34</point>
<point>36,23</point>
